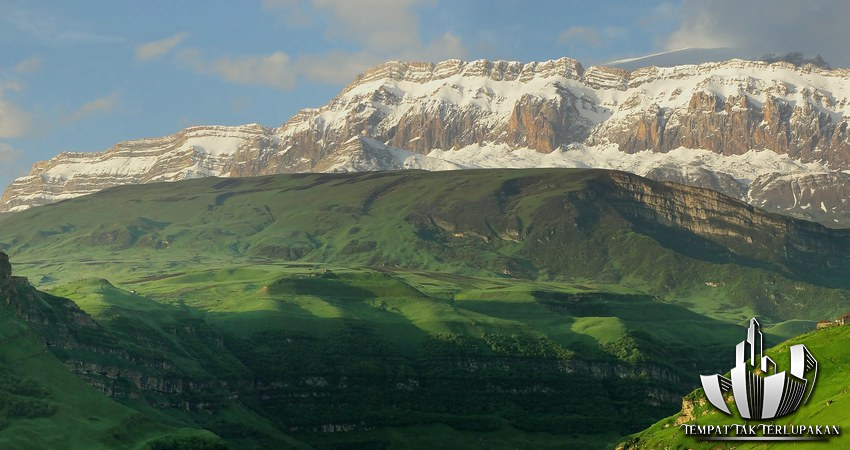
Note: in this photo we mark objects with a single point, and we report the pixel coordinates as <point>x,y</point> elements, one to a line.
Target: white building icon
<point>760,392</point>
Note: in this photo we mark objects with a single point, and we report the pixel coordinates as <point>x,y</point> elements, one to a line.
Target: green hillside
<point>376,345</point>
<point>485,309</point>
<point>387,356</point>
<point>43,405</point>
<point>710,253</point>
<point>829,403</point>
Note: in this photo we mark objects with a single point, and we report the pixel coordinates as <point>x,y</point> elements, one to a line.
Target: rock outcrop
<point>5,271</point>
<point>750,119</point>
<point>314,383</point>
<point>132,363</point>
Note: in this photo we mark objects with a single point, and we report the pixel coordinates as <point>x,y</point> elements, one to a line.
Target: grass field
<point>395,324</point>
<point>396,337</point>
<point>569,226</point>
<point>44,405</point>
<point>490,309</point>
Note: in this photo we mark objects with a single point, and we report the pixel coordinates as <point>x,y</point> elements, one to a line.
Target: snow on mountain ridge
<point>620,92</point>
<point>457,114</point>
<point>191,153</point>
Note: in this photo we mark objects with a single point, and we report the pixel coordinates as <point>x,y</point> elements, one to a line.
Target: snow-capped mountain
<point>772,134</point>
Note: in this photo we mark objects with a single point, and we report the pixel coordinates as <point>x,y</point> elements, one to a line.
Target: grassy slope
<point>411,256</point>
<point>61,411</point>
<point>407,305</point>
<point>257,303</point>
<point>533,224</point>
<point>829,403</point>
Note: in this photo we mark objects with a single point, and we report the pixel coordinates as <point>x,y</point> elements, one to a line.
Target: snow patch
<point>744,168</point>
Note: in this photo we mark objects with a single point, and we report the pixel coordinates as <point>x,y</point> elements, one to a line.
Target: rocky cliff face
<point>800,249</point>
<point>717,125</point>
<point>191,153</point>
<point>131,363</point>
<point>329,383</point>
<point>806,128</point>
<point>5,271</point>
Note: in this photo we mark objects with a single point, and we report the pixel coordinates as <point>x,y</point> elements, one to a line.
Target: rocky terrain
<point>774,135</point>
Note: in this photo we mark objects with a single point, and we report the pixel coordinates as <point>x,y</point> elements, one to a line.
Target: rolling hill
<point>536,308</point>
<point>674,241</point>
<point>42,403</point>
<point>828,404</point>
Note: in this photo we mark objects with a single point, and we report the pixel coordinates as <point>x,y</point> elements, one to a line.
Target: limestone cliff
<point>731,122</point>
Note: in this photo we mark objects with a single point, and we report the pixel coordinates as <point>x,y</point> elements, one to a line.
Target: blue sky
<point>84,75</point>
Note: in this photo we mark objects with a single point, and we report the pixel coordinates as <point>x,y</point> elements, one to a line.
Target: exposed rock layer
<point>398,110</point>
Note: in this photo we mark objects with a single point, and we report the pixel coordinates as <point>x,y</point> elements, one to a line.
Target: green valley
<point>543,308</point>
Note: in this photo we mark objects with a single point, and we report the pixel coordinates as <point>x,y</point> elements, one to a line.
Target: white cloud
<point>156,49</point>
<point>580,34</point>
<point>378,25</point>
<point>274,70</point>
<point>271,70</point>
<point>444,47</point>
<point>291,12</point>
<point>592,36</point>
<point>28,65</point>
<point>334,67</point>
<point>379,30</point>
<point>812,27</point>
<point>98,105</point>
<point>10,159</point>
<point>661,14</point>
<point>14,122</point>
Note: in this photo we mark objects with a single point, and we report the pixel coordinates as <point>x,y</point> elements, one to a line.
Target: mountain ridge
<point>497,222</point>
<point>788,123</point>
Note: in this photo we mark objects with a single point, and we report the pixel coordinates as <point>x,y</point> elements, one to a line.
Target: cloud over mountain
<point>813,27</point>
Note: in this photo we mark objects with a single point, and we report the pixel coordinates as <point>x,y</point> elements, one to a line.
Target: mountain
<point>405,309</point>
<point>774,135</point>
<point>666,239</point>
<point>192,153</point>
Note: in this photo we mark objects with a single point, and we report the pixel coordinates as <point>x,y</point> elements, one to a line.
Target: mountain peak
<point>498,70</point>
<point>731,125</point>
<point>631,71</point>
